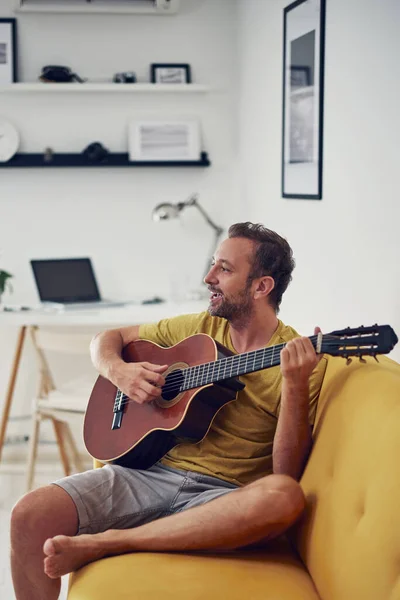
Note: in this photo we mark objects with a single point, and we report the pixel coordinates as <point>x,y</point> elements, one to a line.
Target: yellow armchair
<point>345,547</point>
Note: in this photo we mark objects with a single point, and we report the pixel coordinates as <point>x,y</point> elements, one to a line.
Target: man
<point>195,497</point>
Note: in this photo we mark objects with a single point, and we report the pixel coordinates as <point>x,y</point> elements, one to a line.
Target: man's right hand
<point>141,381</point>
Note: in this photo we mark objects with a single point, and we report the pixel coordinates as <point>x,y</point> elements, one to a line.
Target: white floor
<point>12,487</point>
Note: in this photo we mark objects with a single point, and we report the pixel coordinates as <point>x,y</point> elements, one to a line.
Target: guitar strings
<point>236,361</point>
<point>246,357</point>
<point>173,386</point>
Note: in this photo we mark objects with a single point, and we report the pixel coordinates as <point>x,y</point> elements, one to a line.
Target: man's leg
<point>95,500</point>
<point>43,513</point>
<point>263,509</point>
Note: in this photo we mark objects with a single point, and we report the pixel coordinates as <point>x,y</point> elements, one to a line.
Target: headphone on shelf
<point>59,74</point>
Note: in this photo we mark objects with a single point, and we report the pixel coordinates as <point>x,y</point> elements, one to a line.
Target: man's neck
<point>256,333</point>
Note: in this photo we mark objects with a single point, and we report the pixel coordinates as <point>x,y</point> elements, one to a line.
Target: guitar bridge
<point>118,410</point>
<point>117,420</point>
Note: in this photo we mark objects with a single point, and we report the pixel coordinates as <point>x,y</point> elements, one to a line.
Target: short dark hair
<point>273,257</point>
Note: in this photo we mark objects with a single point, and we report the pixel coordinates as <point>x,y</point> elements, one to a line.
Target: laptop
<point>68,283</point>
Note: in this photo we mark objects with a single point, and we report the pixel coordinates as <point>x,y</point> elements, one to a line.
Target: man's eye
<point>225,269</point>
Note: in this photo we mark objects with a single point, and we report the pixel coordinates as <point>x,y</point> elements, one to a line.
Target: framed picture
<point>170,73</point>
<point>303,99</point>
<point>8,51</point>
<point>169,140</point>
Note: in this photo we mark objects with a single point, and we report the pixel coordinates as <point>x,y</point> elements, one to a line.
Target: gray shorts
<point>115,497</point>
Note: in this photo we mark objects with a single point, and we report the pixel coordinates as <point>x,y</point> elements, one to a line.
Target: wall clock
<point>9,140</point>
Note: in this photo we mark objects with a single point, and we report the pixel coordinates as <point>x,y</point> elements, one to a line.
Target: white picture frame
<point>169,140</point>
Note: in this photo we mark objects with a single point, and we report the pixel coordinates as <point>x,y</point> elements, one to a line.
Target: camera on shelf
<point>126,77</point>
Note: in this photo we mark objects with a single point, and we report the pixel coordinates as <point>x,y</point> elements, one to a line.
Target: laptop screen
<point>65,280</point>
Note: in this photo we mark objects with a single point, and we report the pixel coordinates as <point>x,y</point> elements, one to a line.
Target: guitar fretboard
<point>231,366</point>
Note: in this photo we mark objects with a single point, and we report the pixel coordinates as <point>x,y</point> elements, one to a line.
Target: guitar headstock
<point>360,341</point>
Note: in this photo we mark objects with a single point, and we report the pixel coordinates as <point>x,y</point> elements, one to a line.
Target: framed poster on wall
<point>165,140</point>
<point>303,99</point>
<point>8,51</point>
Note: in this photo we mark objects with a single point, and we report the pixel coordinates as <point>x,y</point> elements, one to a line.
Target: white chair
<point>60,403</point>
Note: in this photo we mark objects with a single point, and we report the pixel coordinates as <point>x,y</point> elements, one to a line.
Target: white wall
<point>106,213</point>
<point>347,245</point>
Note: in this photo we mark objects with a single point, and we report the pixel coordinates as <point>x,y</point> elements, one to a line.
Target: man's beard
<point>239,309</point>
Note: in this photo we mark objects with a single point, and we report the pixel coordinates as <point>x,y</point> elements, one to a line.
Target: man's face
<point>227,279</point>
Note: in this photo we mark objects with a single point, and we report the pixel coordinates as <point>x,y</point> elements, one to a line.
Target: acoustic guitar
<point>202,376</point>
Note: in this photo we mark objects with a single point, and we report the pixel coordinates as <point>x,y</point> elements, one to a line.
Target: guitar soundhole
<point>173,382</point>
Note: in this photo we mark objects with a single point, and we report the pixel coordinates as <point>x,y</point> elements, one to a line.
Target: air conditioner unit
<point>144,7</point>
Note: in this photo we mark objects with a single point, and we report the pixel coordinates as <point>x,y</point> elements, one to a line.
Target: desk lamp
<point>165,211</point>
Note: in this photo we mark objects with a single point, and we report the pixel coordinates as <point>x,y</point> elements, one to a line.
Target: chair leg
<point>73,447</point>
<point>59,433</point>
<point>33,447</point>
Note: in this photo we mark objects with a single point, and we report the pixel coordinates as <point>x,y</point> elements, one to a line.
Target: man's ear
<point>264,286</point>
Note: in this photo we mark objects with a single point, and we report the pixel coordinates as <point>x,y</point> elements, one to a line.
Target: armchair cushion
<point>349,536</point>
<point>271,574</point>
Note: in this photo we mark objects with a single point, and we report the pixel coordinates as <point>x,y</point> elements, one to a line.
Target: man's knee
<point>41,513</point>
<point>291,495</point>
<point>284,493</point>
<point>24,516</point>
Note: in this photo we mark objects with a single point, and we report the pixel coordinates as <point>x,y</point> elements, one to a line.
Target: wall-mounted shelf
<point>117,88</point>
<point>122,7</point>
<point>112,160</point>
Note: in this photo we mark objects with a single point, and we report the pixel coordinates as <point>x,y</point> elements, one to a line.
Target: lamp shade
<point>165,211</point>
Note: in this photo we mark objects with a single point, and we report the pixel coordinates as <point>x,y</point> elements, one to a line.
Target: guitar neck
<point>361,341</point>
<point>234,366</point>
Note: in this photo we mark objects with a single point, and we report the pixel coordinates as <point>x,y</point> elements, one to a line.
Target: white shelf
<point>117,88</point>
<point>143,7</point>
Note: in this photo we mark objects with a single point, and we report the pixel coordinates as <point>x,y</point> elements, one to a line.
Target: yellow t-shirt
<point>238,445</point>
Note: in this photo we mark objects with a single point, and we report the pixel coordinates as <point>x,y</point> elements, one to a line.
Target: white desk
<point>105,318</point>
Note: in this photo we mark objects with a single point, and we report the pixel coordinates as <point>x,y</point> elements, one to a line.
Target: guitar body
<point>146,432</point>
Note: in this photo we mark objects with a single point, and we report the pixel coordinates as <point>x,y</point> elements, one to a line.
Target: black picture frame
<point>8,51</point>
<point>170,73</point>
<point>303,99</point>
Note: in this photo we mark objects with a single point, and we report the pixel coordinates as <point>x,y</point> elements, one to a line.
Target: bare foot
<point>66,554</point>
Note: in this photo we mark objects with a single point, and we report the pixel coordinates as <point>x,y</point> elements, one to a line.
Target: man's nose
<point>211,276</point>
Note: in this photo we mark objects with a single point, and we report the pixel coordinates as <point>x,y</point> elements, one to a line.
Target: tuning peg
<point>374,355</point>
<point>348,360</point>
<point>362,360</point>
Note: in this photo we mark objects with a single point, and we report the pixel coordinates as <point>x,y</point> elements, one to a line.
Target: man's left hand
<point>298,360</point>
